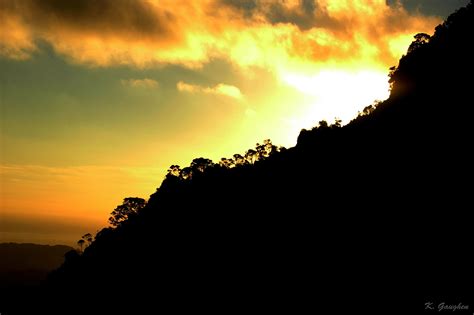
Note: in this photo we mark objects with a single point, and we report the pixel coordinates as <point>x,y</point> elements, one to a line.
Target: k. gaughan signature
<point>441,307</point>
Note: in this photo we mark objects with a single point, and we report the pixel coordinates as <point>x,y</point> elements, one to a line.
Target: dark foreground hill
<point>373,217</point>
<point>28,264</point>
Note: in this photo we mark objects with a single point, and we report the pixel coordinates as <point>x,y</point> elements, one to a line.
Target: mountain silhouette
<point>28,264</point>
<point>371,217</point>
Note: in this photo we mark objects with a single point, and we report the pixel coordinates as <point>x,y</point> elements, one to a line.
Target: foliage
<point>203,165</point>
<point>129,208</point>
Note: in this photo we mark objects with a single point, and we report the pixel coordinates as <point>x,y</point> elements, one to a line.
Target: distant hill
<point>28,264</point>
<point>372,217</point>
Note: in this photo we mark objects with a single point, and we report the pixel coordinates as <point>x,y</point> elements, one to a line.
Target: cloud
<point>219,89</point>
<point>278,35</point>
<point>16,40</point>
<point>140,83</point>
<point>98,33</point>
<point>430,7</point>
<point>191,88</point>
<point>301,13</point>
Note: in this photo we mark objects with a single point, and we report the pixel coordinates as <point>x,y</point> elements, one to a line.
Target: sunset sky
<point>99,98</point>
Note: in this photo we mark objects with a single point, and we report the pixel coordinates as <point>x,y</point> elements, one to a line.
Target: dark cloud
<point>441,8</point>
<point>302,16</point>
<point>306,14</point>
<point>128,16</point>
<point>246,7</point>
<point>94,32</point>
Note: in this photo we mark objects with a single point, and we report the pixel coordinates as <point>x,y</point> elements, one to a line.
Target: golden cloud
<point>276,34</point>
<point>140,83</point>
<point>16,40</point>
<point>219,89</point>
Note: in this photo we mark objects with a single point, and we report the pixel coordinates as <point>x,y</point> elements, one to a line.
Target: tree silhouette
<point>239,159</point>
<point>251,156</point>
<point>88,238</point>
<point>129,208</point>
<point>186,173</point>
<point>174,170</point>
<point>201,164</point>
<point>81,244</point>
<point>420,40</point>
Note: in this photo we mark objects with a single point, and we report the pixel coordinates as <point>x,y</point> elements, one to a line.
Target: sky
<point>99,98</point>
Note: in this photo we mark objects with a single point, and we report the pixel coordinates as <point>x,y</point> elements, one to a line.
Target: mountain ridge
<point>28,264</point>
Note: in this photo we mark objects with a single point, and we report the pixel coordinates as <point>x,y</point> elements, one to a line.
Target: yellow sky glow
<point>334,59</point>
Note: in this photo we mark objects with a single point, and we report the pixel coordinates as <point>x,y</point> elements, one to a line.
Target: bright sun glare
<point>338,94</point>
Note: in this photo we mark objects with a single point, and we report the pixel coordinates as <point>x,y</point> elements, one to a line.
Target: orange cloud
<point>16,40</point>
<point>219,89</point>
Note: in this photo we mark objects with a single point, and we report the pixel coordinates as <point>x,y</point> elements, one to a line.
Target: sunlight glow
<point>338,93</point>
